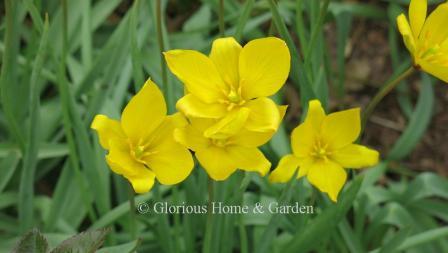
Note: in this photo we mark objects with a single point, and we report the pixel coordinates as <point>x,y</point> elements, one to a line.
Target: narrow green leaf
<point>123,248</point>
<point>418,124</point>
<point>26,192</point>
<point>8,166</point>
<point>248,5</point>
<point>323,225</point>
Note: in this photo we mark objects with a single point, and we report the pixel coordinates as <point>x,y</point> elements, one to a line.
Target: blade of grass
<point>298,73</point>
<point>248,5</point>
<point>418,123</point>
<point>323,225</point>
<point>9,70</point>
<point>135,51</point>
<point>8,165</point>
<point>26,190</point>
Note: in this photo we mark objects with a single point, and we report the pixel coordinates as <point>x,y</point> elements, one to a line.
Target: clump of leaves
<point>86,242</point>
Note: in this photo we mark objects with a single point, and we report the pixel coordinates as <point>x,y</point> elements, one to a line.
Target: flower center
<point>234,99</point>
<point>320,150</point>
<point>139,151</point>
<point>219,142</point>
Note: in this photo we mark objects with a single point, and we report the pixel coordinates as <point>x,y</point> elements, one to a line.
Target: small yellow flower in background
<point>225,146</point>
<point>322,147</point>
<point>233,78</point>
<point>427,38</point>
<point>141,147</point>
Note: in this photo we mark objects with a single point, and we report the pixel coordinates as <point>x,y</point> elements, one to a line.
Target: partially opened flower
<point>141,146</point>
<point>233,78</point>
<point>322,147</point>
<point>222,148</point>
<point>427,38</point>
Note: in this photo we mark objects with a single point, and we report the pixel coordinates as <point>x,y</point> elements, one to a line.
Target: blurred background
<point>62,62</point>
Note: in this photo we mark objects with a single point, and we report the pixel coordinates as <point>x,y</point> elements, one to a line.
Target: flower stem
<point>160,41</point>
<point>386,89</point>
<point>221,18</point>
<point>133,218</point>
<point>210,218</point>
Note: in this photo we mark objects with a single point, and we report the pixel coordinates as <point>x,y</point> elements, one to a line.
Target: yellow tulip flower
<point>322,147</point>
<point>427,38</point>
<point>141,147</point>
<point>225,146</point>
<point>232,78</point>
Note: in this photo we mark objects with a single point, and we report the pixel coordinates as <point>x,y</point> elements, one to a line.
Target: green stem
<point>210,219</point>
<point>386,89</point>
<point>161,43</point>
<point>221,18</point>
<point>133,217</point>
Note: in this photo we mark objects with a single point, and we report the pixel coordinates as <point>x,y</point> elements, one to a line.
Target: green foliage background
<point>62,62</point>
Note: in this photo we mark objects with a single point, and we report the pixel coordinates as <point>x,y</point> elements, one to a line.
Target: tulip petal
<point>434,30</point>
<point>107,129</point>
<point>191,138</point>
<point>228,126</point>
<point>249,159</point>
<point>417,15</point>
<point>264,115</point>
<point>285,169</point>
<point>198,73</point>
<point>143,182</point>
<point>216,162</point>
<point>315,114</point>
<point>121,162</point>
<point>303,139</point>
<point>328,177</point>
<point>406,32</point>
<point>144,112</point>
<point>225,55</point>
<point>355,156</point>
<point>438,71</point>
<point>169,160</point>
<point>194,107</point>
<point>264,67</point>
<point>341,128</point>
<point>251,139</point>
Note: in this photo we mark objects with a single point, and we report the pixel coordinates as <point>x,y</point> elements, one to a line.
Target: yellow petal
<point>191,138</point>
<point>406,32</point>
<point>107,129</point>
<point>198,73</point>
<point>341,128</point>
<point>251,139</point>
<point>143,182</point>
<point>225,55</point>
<point>438,71</point>
<point>434,30</point>
<point>315,114</point>
<point>328,177</point>
<point>216,162</point>
<point>120,161</point>
<point>303,138</point>
<point>355,156</point>
<point>305,165</point>
<point>264,115</point>
<point>285,169</point>
<point>417,15</point>
<point>169,160</point>
<point>144,112</point>
<point>264,67</point>
<point>194,107</point>
<point>228,126</point>
<point>249,159</point>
